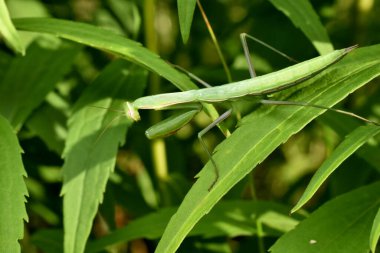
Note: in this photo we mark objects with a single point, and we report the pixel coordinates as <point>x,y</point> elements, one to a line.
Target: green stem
<point>260,236</point>
<point>157,145</point>
<point>215,41</point>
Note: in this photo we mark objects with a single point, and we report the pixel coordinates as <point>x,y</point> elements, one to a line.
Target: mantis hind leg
<point>306,104</point>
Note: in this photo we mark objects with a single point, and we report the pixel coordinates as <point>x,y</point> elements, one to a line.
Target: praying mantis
<point>190,103</point>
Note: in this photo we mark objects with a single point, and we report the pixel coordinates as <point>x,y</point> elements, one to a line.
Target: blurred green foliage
<point>150,178</point>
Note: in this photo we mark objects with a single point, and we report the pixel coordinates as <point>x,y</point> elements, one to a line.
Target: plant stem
<point>260,236</point>
<point>215,41</point>
<point>157,145</point>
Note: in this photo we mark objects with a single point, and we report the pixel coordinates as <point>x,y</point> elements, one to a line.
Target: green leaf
<point>303,16</point>
<point>91,147</point>
<point>375,232</point>
<point>343,125</point>
<point>353,141</point>
<point>228,218</point>
<point>185,14</point>
<point>23,90</point>
<point>341,225</point>
<point>13,190</point>
<point>262,131</point>
<point>8,31</point>
<point>106,40</point>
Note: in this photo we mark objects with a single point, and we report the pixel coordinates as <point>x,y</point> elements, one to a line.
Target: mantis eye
<point>131,112</point>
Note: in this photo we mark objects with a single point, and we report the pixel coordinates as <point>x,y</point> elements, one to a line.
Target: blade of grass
<point>353,141</point>
<point>303,16</point>
<point>106,40</point>
<point>185,15</point>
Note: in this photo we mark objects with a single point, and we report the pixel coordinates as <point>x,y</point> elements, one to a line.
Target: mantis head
<point>131,112</point>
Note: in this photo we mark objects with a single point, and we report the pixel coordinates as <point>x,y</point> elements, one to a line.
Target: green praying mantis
<point>189,103</point>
